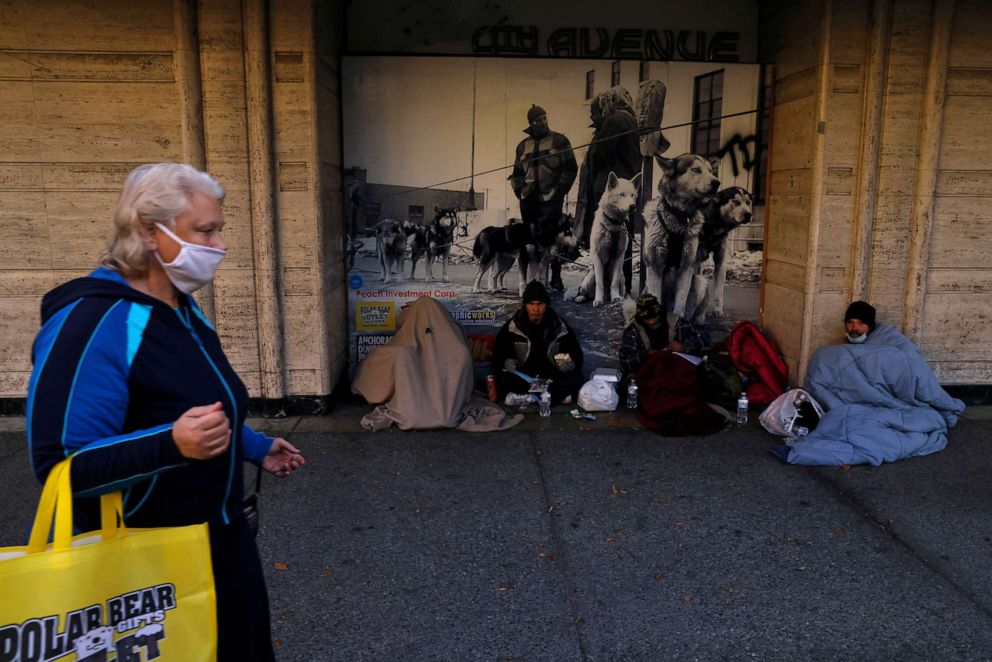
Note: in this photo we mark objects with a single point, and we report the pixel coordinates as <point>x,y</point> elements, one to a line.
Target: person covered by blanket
<point>536,342</point>
<point>882,401</point>
<point>130,380</point>
<point>646,333</point>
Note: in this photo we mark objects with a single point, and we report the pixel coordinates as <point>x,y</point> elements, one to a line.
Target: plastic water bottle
<point>742,405</point>
<point>632,394</point>
<point>545,403</point>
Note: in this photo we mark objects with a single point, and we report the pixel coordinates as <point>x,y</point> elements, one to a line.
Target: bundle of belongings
<point>423,377</point>
<point>672,401</point>
<point>882,402</point>
<point>681,394</point>
<point>759,361</point>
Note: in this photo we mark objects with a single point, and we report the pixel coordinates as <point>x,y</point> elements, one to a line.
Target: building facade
<point>877,180</point>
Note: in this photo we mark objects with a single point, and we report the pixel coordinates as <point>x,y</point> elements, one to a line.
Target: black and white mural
<point>467,177</point>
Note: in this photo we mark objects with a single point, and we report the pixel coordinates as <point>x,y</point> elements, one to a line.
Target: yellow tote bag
<point>123,594</point>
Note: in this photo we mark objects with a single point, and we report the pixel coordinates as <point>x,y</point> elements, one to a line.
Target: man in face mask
<point>859,322</point>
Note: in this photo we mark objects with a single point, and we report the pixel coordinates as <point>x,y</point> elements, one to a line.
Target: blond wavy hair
<point>153,193</point>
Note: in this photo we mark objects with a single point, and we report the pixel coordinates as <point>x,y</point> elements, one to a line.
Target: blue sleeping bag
<point>883,403</point>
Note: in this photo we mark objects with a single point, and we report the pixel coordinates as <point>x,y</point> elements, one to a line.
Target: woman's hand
<point>202,432</point>
<point>282,459</point>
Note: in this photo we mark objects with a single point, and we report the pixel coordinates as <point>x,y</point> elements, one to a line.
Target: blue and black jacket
<point>113,370</point>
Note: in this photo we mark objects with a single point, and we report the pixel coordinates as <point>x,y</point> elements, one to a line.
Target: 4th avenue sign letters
<point>625,43</point>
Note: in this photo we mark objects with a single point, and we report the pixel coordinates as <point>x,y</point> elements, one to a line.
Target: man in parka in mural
<point>543,172</point>
<point>536,342</point>
<point>615,147</point>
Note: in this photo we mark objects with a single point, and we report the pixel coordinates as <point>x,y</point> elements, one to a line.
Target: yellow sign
<point>375,315</point>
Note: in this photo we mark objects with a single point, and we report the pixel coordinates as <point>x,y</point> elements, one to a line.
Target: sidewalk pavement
<point>572,540</point>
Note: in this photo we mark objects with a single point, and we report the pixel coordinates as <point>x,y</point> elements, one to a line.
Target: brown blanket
<point>423,378</point>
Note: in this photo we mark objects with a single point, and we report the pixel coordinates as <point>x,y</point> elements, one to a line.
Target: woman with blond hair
<point>131,381</point>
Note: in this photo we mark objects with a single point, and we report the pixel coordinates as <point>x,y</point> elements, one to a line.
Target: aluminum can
<point>491,388</point>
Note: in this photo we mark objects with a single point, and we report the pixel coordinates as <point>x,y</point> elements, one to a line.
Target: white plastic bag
<point>598,395</point>
<point>780,416</point>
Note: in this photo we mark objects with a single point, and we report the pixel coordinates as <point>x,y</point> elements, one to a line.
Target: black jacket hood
<point>100,283</point>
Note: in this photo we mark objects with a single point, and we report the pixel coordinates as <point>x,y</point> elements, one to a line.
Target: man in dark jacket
<point>536,342</point>
<point>646,333</point>
<point>543,172</point>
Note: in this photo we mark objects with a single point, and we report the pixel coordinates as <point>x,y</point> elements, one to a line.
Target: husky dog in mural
<point>496,248</point>
<point>416,244</point>
<point>673,224</point>
<point>729,209</point>
<point>608,241</point>
<point>390,245</point>
<point>440,237</point>
<point>534,260</point>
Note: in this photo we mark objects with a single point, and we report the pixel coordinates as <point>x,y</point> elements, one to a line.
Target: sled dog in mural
<point>390,245</point>
<point>729,209</point>
<point>535,260</point>
<point>673,223</point>
<point>416,244</point>
<point>608,241</point>
<point>440,237</point>
<point>496,248</point>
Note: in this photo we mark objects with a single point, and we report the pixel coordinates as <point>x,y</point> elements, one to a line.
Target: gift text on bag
<point>89,632</point>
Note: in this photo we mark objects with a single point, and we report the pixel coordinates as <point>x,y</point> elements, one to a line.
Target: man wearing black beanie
<point>536,342</point>
<point>859,322</point>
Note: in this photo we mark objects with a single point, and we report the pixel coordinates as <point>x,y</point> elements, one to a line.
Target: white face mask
<point>857,340</point>
<point>195,265</point>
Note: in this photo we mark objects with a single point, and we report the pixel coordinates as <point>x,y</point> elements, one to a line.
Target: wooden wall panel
<point>69,25</point>
<point>962,234</point>
<point>89,90</point>
<point>970,46</point>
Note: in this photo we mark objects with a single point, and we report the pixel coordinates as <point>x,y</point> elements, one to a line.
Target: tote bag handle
<point>56,502</point>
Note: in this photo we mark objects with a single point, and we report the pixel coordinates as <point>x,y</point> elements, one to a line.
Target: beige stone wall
<point>246,89</point>
<point>879,178</point>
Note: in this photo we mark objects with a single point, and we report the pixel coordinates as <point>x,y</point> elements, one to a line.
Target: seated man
<point>536,342</point>
<point>882,400</point>
<point>647,332</point>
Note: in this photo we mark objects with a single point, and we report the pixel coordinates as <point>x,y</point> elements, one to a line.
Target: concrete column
<point>866,186</point>
<point>818,177</point>
<point>189,84</point>
<point>927,165</point>
<point>262,186</point>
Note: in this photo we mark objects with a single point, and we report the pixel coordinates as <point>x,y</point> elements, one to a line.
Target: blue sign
<point>355,281</point>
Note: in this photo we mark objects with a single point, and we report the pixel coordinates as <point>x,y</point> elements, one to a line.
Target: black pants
<point>243,630</point>
<point>543,217</point>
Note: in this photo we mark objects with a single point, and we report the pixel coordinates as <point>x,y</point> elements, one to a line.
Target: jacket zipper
<point>235,433</point>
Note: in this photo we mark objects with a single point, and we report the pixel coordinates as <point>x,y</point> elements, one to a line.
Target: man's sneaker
<point>518,399</point>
